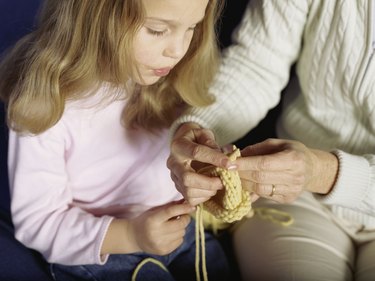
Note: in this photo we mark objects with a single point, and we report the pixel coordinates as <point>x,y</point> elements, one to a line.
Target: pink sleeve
<point>41,202</point>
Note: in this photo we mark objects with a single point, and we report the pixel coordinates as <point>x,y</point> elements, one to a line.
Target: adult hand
<point>281,169</point>
<point>160,230</point>
<point>192,148</point>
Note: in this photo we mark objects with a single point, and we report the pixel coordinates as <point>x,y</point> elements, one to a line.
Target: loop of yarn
<point>147,260</point>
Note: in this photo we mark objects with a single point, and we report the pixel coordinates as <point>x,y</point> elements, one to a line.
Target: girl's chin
<point>147,81</point>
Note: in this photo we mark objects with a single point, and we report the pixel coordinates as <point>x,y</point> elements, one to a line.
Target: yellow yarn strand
<point>142,263</point>
<point>200,246</point>
<point>274,215</point>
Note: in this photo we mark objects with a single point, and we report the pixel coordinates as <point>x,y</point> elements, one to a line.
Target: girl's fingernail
<point>229,165</point>
<point>232,167</point>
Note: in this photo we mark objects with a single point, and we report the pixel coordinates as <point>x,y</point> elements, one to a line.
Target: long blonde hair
<point>80,43</point>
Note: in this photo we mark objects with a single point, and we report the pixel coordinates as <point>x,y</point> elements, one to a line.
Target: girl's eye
<point>156,32</point>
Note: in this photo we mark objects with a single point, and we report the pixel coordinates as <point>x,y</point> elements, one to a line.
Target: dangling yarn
<point>229,205</point>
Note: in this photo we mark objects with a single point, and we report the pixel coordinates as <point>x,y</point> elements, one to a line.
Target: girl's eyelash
<point>155,32</point>
<point>161,33</point>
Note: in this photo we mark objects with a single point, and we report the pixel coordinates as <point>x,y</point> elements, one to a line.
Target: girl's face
<point>165,36</point>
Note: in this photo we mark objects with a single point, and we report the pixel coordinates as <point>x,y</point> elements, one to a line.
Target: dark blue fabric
<point>17,263</point>
<point>4,190</point>
<point>17,18</point>
<point>180,264</point>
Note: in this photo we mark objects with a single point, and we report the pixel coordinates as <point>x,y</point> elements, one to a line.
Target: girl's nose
<point>176,48</point>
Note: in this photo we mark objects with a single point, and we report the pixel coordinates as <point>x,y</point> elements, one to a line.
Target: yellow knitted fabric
<point>229,204</point>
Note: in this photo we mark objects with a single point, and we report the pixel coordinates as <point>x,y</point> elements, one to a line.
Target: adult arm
<point>337,178</point>
<point>254,69</point>
<point>355,184</point>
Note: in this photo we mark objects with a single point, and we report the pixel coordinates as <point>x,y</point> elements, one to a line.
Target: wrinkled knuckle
<point>300,179</point>
<point>186,179</point>
<point>196,151</point>
<point>174,144</point>
<point>191,201</point>
<point>258,189</point>
<point>258,176</point>
<point>264,164</point>
<point>189,192</point>
<point>295,156</point>
<point>300,159</point>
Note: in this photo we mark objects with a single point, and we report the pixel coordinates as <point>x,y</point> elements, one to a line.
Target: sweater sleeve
<point>355,184</point>
<point>254,69</point>
<point>43,213</point>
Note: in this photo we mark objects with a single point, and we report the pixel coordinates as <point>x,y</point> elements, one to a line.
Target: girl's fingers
<point>198,200</point>
<point>174,210</point>
<point>177,225</point>
<point>202,182</point>
<point>190,150</point>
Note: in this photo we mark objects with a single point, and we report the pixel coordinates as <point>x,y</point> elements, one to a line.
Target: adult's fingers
<point>287,177</point>
<point>282,160</point>
<point>279,192</point>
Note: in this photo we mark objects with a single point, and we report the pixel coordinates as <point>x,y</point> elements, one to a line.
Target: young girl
<point>90,95</point>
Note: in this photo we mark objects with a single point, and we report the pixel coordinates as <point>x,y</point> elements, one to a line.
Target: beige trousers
<point>316,247</point>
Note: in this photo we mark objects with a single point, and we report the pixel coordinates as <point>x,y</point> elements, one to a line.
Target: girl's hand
<point>160,230</point>
<point>281,169</point>
<point>192,148</point>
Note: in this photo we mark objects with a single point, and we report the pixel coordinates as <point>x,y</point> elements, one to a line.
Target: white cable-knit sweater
<point>331,103</point>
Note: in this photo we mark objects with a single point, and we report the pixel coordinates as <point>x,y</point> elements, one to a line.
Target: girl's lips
<point>162,71</point>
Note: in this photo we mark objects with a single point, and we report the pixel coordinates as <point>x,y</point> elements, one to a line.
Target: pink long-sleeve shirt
<point>69,182</point>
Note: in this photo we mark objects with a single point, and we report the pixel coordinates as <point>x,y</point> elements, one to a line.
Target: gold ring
<point>273,190</point>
